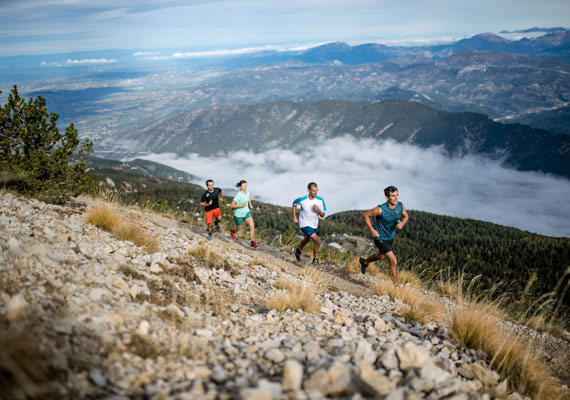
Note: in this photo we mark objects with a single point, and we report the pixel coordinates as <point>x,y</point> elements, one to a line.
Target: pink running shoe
<point>233,233</point>
<point>254,245</point>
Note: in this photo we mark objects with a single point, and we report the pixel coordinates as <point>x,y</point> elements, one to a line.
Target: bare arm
<point>404,219</point>
<point>250,205</point>
<point>366,216</point>
<point>318,211</point>
<point>204,204</point>
<point>294,211</point>
<point>221,197</point>
<point>233,204</point>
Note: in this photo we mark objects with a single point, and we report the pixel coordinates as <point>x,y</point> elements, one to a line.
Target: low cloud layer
<point>352,174</point>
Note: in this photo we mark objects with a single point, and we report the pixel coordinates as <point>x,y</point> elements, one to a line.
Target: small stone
<point>64,329</point>
<point>389,360</point>
<point>412,356</point>
<point>95,294</point>
<point>143,328</point>
<point>292,375</point>
<point>339,378</point>
<point>372,382</point>
<point>155,268</point>
<point>380,325</point>
<point>397,394</point>
<point>274,387</point>
<point>119,283</point>
<point>274,355</point>
<point>16,308</point>
<point>97,378</point>
<point>317,382</point>
<point>255,394</point>
<point>202,372</point>
<point>204,333</point>
<point>134,291</point>
<point>477,371</point>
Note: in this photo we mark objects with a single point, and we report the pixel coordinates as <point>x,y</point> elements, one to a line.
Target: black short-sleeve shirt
<point>214,195</point>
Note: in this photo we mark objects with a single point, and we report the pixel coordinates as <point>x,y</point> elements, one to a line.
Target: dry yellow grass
<point>419,308</point>
<point>209,258</point>
<point>107,218</point>
<point>300,296</point>
<point>510,356</point>
<point>405,276</point>
<point>540,324</point>
<point>311,273</point>
<point>283,283</point>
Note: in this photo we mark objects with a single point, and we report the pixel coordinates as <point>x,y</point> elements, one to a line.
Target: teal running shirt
<point>241,198</point>
<point>387,221</point>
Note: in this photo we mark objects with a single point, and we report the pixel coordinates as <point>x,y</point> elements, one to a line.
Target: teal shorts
<point>239,220</point>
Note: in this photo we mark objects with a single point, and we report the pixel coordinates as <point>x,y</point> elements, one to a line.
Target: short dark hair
<point>208,181</point>
<point>241,183</point>
<point>390,189</point>
<point>311,184</point>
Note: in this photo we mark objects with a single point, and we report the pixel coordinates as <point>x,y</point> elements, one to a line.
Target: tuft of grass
<point>283,283</point>
<point>300,296</point>
<point>312,274</point>
<point>105,217</point>
<point>540,324</point>
<point>510,356</point>
<point>210,259</point>
<point>419,308</point>
<point>409,277</point>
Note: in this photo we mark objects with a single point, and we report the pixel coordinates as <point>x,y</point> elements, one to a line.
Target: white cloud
<point>90,61</point>
<point>352,174</point>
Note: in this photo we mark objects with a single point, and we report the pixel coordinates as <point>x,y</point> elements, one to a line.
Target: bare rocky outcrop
<point>102,318</point>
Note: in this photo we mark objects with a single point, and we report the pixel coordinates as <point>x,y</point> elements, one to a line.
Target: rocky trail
<point>86,315</point>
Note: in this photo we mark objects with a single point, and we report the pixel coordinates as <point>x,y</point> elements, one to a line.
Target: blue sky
<point>56,26</point>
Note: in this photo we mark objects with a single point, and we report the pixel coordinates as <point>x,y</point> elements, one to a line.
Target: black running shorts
<point>385,246</point>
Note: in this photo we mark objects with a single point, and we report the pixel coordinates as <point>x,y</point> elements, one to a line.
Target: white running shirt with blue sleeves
<point>308,216</point>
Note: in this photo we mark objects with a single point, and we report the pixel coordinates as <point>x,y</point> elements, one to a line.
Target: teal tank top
<point>386,223</point>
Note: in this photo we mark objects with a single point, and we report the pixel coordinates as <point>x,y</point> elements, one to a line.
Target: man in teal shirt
<point>390,216</point>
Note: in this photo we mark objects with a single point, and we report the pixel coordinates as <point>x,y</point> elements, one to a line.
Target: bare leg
<point>374,257</point>
<point>393,262</point>
<point>316,246</point>
<point>304,242</point>
<point>251,228</point>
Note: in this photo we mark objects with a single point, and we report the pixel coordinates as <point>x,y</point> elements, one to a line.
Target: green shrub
<point>39,159</point>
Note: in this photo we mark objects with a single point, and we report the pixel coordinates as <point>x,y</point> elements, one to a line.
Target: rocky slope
<point>85,315</point>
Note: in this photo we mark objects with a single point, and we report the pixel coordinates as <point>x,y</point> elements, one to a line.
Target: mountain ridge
<point>289,125</point>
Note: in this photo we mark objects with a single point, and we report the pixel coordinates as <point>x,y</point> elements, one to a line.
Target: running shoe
<point>362,265</point>
<point>209,236</point>
<point>218,228</point>
<point>297,254</point>
<point>254,245</point>
<point>233,233</point>
<point>316,261</point>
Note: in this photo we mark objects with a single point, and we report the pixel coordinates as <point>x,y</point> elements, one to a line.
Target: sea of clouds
<point>352,174</point>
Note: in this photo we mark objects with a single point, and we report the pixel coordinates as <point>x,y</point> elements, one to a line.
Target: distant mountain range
<point>500,85</point>
<point>289,125</point>
<point>513,80</point>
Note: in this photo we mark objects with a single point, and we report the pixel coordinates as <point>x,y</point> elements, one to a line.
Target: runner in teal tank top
<point>241,204</point>
<point>390,216</point>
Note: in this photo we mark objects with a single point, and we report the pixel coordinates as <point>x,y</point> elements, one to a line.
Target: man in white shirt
<point>312,208</point>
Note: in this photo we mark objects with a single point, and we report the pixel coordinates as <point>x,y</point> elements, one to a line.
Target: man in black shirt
<point>210,200</point>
